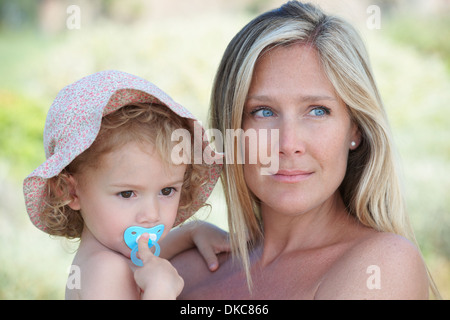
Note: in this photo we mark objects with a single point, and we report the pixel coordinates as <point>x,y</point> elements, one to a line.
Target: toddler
<point>109,178</point>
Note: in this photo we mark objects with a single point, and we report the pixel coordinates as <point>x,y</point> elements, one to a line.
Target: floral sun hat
<point>85,102</point>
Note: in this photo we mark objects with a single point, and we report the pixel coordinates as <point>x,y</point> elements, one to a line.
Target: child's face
<point>132,186</point>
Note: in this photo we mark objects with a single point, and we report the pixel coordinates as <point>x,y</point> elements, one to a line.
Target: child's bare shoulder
<point>106,275</point>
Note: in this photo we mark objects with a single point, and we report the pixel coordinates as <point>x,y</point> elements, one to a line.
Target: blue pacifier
<point>131,237</point>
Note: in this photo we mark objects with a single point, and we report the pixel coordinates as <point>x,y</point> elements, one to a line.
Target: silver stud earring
<point>353,144</point>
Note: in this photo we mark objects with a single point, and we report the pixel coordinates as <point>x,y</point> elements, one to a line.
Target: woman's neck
<point>321,226</point>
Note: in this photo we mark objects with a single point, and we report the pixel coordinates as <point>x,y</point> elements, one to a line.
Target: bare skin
<point>335,268</point>
<point>312,248</point>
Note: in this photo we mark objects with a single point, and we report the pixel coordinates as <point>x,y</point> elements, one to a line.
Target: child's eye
<point>319,112</point>
<point>126,194</point>
<point>262,112</point>
<point>167,191</point>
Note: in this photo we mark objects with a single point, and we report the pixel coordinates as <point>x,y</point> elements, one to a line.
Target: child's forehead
<point>136,155</point>
<point>133,150</point>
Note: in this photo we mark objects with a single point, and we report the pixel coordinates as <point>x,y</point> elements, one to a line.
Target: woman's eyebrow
<point>318,98</point>
<point>307,98</point>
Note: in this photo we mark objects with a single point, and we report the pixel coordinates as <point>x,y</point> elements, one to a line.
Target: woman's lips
<point>292,176</point>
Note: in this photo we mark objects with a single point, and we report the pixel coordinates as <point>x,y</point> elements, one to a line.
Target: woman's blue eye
<point>319,112</point>
<point>263,113</point>
<point>267,113</point>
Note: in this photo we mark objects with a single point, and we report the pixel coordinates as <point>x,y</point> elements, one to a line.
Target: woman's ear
<point>355,137</point>
<point>75,200</point>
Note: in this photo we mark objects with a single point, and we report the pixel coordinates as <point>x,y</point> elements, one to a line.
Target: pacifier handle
<point>134,252</point>
<point>131,237</point>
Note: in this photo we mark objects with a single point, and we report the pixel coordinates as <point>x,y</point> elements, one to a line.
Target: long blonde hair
<point>371,188</point>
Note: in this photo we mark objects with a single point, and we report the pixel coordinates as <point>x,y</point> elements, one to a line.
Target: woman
<point>330,223</point>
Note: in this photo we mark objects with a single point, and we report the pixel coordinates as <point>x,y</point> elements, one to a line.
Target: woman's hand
<point>157,278</point>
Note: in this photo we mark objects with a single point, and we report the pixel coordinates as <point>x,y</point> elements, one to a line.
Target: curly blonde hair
<point>141,122</point>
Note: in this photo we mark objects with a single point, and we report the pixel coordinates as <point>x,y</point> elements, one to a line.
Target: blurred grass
<point>430,36</point>
<point>180,56</point>
<point>21,142</point>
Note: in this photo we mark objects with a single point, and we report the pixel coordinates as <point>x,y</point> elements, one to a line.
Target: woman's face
<point>290,92</point>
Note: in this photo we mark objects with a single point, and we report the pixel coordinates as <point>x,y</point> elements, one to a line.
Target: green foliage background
<point>179,51</point>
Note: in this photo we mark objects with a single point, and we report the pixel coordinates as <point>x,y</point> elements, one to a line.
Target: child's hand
<point>158,279</point>
<point>210,241</point>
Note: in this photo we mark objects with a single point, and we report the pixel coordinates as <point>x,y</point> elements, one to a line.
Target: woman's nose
<point>291,140</point>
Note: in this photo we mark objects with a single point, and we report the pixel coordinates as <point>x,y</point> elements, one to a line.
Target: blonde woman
<point>330,223</point>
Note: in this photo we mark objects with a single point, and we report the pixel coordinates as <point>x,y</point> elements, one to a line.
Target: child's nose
<point>149,212</point>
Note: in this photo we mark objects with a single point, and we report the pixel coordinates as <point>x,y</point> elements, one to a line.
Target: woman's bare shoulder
<point>190,266</point>
<point>380,266</point>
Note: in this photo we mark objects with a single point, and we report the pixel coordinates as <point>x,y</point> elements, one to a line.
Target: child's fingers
<point>210,256</point>
<point>224,245</point>
<point>144,251</point>
<point>210,241</point>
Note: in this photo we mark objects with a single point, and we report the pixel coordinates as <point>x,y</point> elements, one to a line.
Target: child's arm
<point>157,278</point>
<point>209,240</point>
